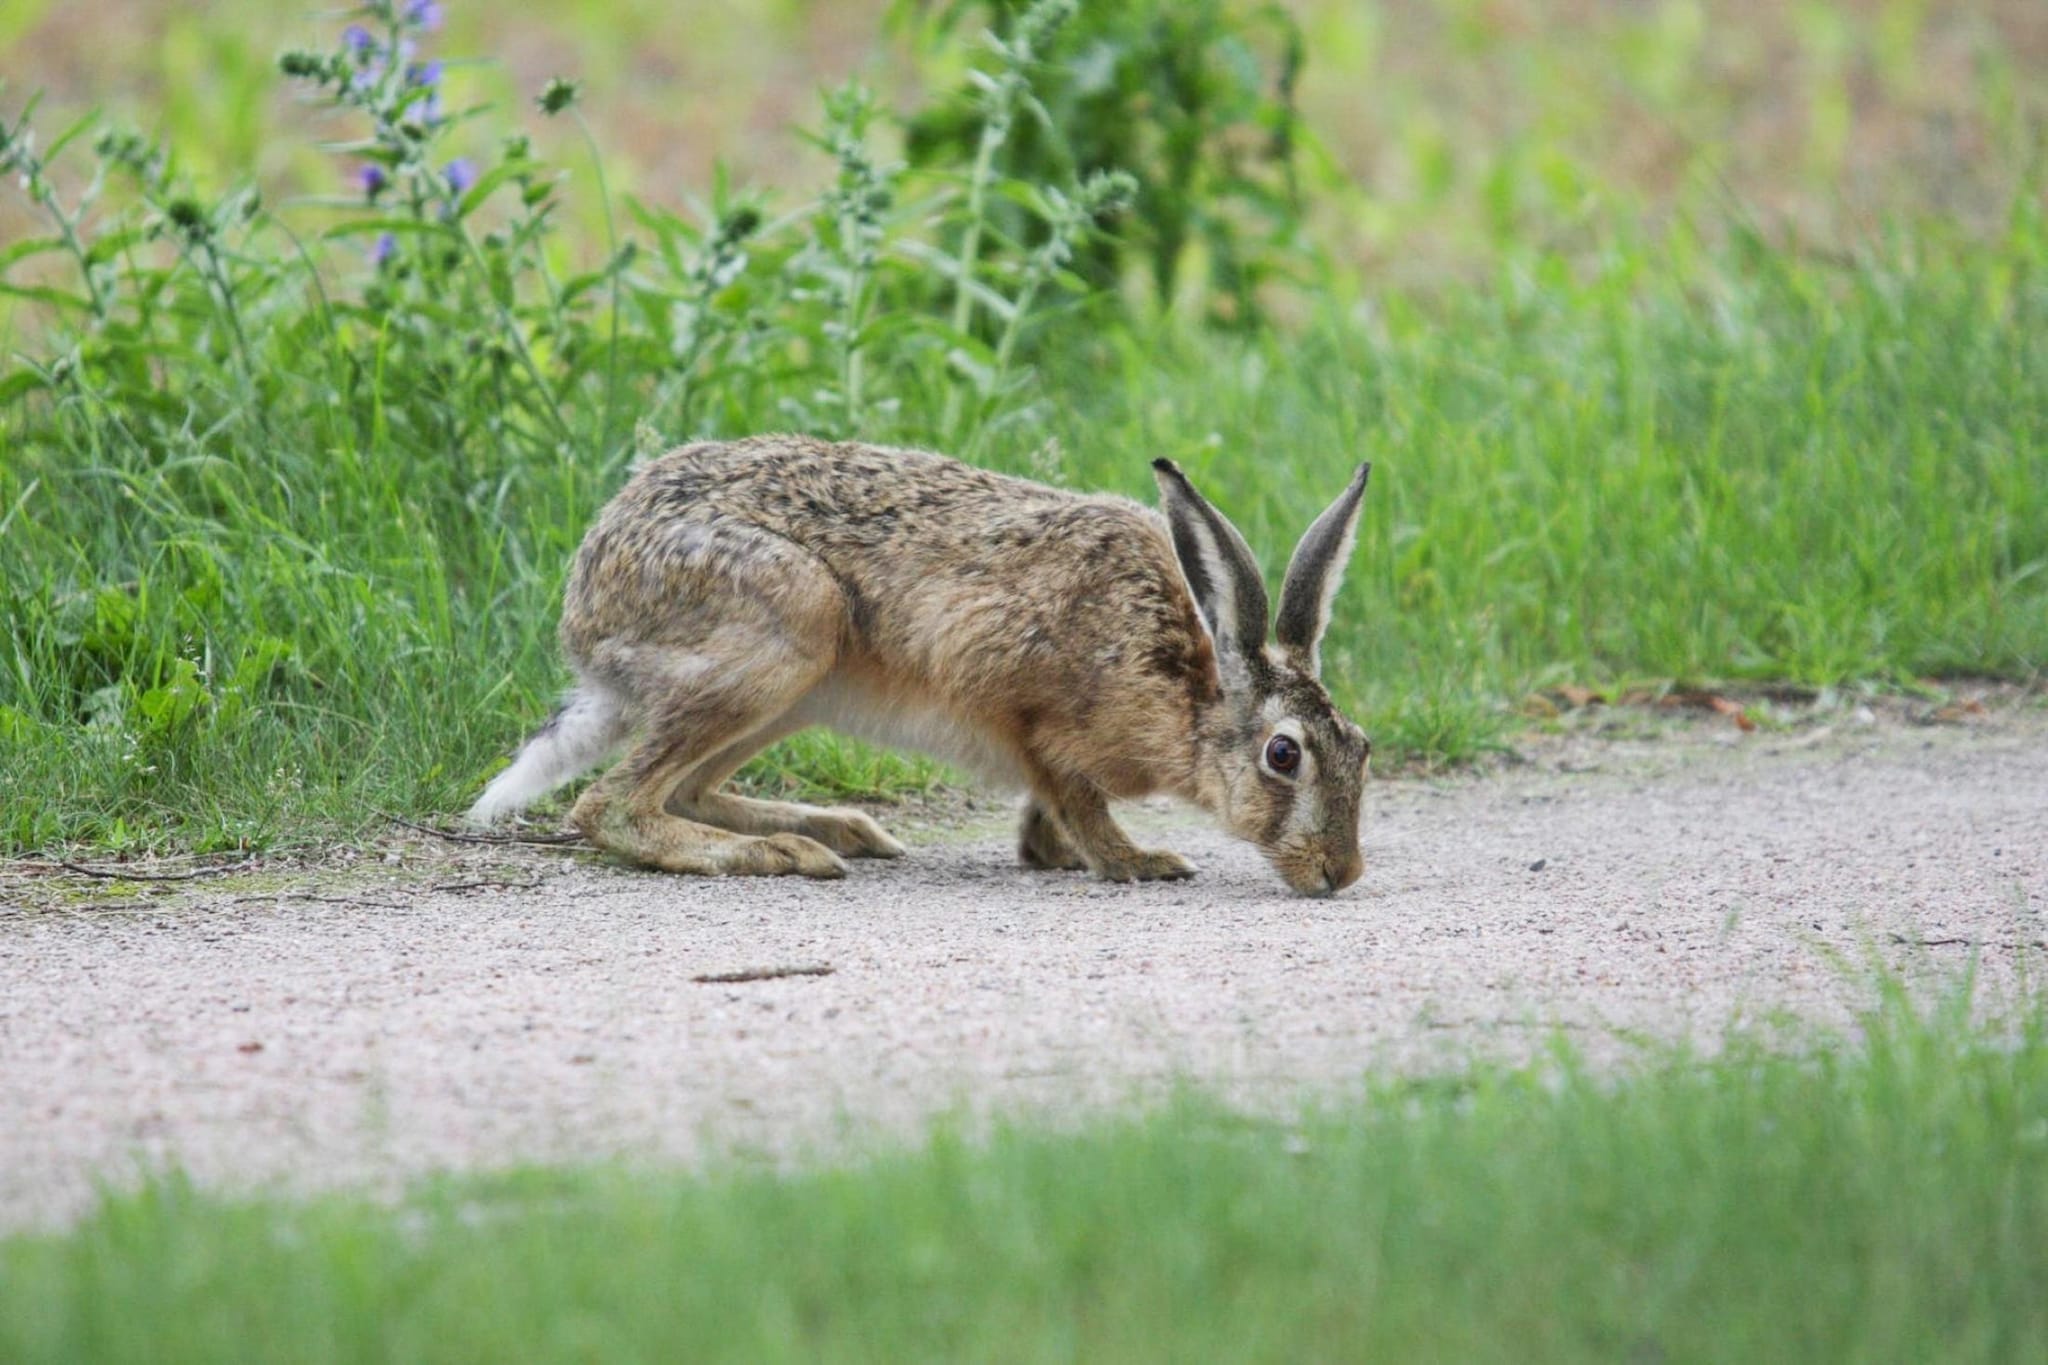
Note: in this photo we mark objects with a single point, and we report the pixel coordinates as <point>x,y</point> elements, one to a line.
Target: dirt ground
<point>421,1006</point>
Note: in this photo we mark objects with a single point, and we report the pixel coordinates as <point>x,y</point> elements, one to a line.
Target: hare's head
<point>1277,762</point>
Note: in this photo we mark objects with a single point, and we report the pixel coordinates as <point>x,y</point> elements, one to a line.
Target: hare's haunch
<point>1085,647</point>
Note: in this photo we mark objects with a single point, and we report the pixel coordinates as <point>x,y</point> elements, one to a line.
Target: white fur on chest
<point>895,722</point>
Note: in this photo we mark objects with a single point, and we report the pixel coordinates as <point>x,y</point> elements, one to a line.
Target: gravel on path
<point>472,1008</point>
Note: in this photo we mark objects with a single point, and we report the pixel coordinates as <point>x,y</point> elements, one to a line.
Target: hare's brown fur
<point>735,592</point>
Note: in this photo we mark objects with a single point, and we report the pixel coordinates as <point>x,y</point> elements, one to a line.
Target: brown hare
<point>1083,647</point>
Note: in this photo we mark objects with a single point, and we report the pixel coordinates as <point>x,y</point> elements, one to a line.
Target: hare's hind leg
<point>715,629</point>
<point>626,811</point>
<point>847,832</point>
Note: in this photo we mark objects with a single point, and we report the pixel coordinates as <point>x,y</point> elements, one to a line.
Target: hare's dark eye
<point>1283,755</point>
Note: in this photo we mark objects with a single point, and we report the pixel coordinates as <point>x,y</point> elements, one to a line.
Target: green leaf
<point>20,384</point>
<point>56,298</point>
<point>83,125</point>
<point>975,363</point>
<point>112,244</point>
<point>16,725</point>
<point>366,227</point>
<point>33,246</point>
<point>175,700</point>
<point>487,184</point>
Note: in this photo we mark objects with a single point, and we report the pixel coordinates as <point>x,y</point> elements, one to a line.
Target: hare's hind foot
<point>846,832</point>
<point>775,855</point>
<point>1043,846</point>
<point>673,844</point>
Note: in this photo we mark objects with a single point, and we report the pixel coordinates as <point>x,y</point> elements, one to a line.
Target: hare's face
<point>1280,765</point>
<point>1291,772</point>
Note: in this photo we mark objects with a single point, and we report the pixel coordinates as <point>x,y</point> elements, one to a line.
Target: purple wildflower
<point>357,39</point>
<point>372,179</point>
<point>424,73</point>
<point>423,14</point>
<point>461,173</point>
<point>385,248</point>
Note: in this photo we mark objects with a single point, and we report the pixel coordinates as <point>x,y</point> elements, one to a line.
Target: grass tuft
<point>1881,1199</point>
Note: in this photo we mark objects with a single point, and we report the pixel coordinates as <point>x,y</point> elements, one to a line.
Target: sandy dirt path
<point>355,1025</point>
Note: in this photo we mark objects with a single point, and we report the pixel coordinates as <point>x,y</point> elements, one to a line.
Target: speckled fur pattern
<point>734,592</point>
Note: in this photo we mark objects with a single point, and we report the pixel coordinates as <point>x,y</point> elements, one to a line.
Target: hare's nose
<point>1341,874</point>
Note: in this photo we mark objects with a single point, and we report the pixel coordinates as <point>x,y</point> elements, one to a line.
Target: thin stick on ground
<point>2006,943</point>
<point>112,874</point>
<point>487,884</point>
<point>765,973</point>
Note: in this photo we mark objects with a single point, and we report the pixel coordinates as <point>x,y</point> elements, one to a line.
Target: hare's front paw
<point>1146,865</point>
<point>1044,847</point>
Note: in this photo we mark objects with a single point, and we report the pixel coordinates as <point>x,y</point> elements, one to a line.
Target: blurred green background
<point>1441,127</point>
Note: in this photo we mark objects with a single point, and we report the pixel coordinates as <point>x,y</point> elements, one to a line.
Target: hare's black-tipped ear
<point>1217,564</point>
<point>1314,573</point>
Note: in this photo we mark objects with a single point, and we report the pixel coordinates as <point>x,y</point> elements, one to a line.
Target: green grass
<point>1882,1200</point>
<point>1772,468</point>
<point>1764,468</point>
<point>288,563</point>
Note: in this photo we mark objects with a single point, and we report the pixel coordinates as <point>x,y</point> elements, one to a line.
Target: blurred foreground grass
<point>1876,1201</point>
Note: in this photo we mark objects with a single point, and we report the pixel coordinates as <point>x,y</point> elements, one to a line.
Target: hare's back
<point>901,514</point>
<point>804,487</point>
<point>936,559</point>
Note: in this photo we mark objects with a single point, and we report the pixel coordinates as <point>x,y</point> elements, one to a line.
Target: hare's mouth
<point>1304,875</point>
<point>1308,872</point>
<point>1326,884</point>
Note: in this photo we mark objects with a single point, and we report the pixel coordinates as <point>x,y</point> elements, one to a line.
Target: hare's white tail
<point>588,724</point>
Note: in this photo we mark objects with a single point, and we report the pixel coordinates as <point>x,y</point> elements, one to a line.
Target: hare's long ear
<point>1313,575</point>
<point>1218,566</point>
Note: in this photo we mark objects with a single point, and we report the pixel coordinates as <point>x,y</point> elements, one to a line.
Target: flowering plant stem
<point>993,132</point>
<point>611,246</point>
<point>514,337</point>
